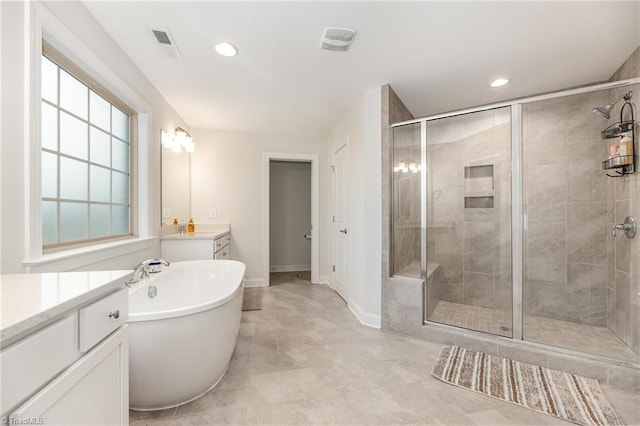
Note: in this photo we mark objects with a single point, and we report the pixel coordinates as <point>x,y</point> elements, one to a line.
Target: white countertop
<point>203,232</point>
<point>28,300</point>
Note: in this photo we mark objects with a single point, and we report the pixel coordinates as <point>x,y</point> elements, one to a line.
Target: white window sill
<point>84,256</point>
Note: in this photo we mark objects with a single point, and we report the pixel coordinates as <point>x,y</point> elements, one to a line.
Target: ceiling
<point>437,56</point>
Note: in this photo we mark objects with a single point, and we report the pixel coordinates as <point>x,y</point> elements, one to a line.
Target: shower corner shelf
<point>622,164</point>
<point>617,129</point>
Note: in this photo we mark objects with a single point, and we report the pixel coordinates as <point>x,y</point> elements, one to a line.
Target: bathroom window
<point>86,147</point>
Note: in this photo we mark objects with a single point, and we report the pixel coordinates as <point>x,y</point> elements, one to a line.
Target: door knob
<point>344,231</point>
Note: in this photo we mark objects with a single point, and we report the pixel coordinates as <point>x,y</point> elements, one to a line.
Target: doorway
<point>291,216</point>
<point>290,221</point>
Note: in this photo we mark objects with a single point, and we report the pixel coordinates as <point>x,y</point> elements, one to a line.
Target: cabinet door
<point>93,391</point>
<point>179,250</point>
<point>223,253</point>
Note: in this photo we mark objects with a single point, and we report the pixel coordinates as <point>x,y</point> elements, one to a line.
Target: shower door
<point>468,218</point>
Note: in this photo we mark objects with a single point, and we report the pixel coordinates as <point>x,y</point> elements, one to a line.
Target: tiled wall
<point>565,194</point>
<point>406,200</point>
<point>623,255</point>
<point>402,297</point>
<point>469,161</point>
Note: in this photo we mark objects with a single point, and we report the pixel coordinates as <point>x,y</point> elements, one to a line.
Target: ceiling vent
<point>165,42</point>
<point>337,39</point>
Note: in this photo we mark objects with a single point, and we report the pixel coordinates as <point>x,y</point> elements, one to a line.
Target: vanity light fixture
<point>181,140</point>
<point>226,49</point>
<point>499,82</point>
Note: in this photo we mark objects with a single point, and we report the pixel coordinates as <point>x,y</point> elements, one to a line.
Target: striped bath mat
<point>567,396</point>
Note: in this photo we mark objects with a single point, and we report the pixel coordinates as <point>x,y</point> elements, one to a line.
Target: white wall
<point>360,127</point>
<point>289,216</point>
<point>227,174</point>
<point>19,26</point>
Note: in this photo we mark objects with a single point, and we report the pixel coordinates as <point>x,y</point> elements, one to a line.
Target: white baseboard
<point>329,282</point>
<point>290,268</point>
<point>370,320</point>
<point>323,279</point>
<point>253,282</point>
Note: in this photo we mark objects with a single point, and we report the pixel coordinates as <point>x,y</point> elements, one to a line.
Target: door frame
<point>314,159</point>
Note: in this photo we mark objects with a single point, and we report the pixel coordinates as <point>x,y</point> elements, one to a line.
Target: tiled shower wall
<point>565,194</point>
<point>401,296</point>
<point>469,159</point>
<point>406,201</point>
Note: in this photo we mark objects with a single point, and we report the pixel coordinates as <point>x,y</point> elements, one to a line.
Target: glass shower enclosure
<point>467,186</point>
<point>505,214</point>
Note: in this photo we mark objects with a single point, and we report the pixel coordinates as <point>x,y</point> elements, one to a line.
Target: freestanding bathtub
<point>181,340</point>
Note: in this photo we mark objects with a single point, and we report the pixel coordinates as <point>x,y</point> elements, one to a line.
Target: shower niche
<point>478,187</point>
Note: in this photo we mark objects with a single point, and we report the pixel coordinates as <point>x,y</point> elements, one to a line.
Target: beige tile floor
<point>580,337</point>
<point>305,359</point>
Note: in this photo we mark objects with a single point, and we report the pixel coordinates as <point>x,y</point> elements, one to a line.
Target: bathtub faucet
<point>141,270</point>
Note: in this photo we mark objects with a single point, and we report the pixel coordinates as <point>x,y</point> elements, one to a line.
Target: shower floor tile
<point>584,338</point>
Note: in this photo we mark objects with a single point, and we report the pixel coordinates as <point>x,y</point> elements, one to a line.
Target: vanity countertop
<point>203,232</point>
<point>29,300</point>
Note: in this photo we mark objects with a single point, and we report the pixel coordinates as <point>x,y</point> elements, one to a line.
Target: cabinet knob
<point>115,314</point>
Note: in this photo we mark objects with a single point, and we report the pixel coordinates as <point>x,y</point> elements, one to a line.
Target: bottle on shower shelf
<point>613,150</point>
<point>626,149</point>
<point>191,227</point>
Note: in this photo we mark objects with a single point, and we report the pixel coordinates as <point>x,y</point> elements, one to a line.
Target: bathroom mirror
<point>176,185</point>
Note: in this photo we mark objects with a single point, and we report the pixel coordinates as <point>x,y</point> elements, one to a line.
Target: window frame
<point>41,24</point>
<point>64,63</point>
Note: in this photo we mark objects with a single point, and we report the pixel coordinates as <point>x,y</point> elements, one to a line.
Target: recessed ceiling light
<point>226,49</point>
<point>499,82</point>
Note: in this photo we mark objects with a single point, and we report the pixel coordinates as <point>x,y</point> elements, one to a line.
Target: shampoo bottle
<point>626,149</point>
<point>191,227</point>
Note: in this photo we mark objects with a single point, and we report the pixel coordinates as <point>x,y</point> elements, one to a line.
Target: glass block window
<point>86,147</point>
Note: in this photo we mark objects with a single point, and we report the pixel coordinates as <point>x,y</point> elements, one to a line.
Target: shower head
<point>606,109</point>
<point>603,110</point>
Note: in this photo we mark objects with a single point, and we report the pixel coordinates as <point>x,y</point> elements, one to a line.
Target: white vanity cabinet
<point>198,247</point>
<point>92,391</point>
<point>222,247</point>
<point>75,370</point>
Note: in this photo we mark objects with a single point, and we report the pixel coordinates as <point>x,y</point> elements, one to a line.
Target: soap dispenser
<point>191,227</point>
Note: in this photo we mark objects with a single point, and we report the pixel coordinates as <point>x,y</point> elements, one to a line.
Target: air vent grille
<point>161,36</point>
<point>337,39</point>
<point>165,42</point>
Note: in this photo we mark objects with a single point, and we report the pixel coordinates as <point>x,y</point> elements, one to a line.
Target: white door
<point>340,230</point>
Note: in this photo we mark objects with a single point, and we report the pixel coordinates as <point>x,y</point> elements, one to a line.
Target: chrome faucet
<point>141,270</point>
